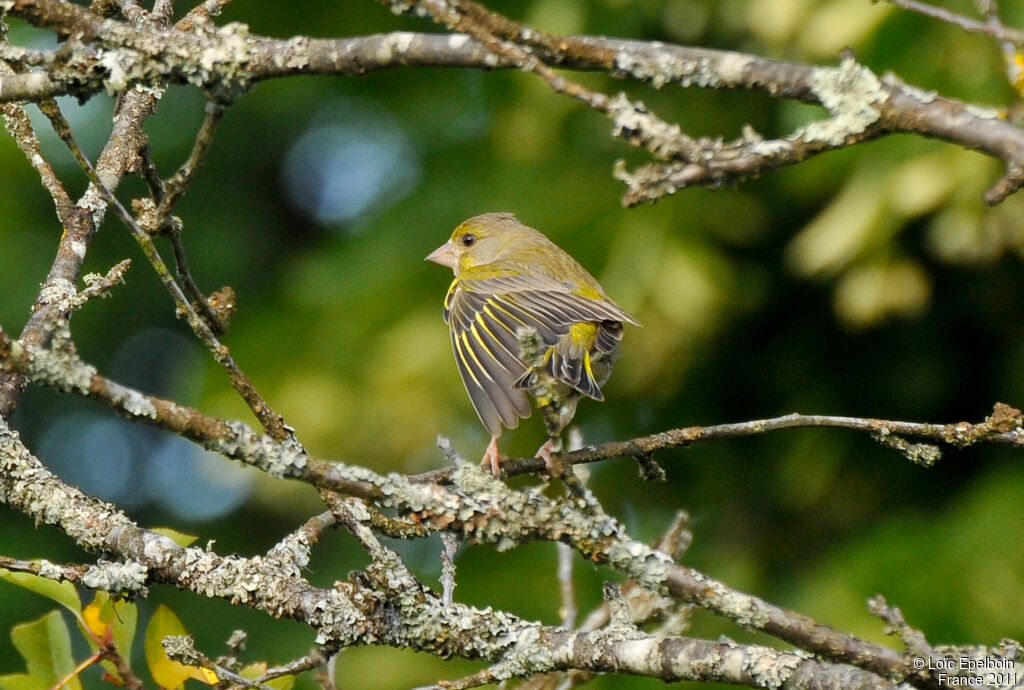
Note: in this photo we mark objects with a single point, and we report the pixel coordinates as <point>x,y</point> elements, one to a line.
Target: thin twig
<point>155,215</point>
<point>315,659</point>
<point>150,174</point>
<point>566,588</point>
<point>1004,425</point>
<point>202,13</point>
<point>912,638</point>
<point>449,545</point>
<point>176,186</point>
<point>19,126</point>
<point>502,37</point>
<point>44,568</point>
<point>988,28</point>
<point>182,649</point>
<point>271,421</point>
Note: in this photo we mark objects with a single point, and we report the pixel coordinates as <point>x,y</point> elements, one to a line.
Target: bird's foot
<point>549,454</point>
<point>493,458</point>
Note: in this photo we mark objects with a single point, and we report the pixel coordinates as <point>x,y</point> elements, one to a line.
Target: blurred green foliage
<point>869,282</point>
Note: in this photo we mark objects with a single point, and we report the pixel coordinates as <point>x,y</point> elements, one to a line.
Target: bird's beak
<point>444,255</point>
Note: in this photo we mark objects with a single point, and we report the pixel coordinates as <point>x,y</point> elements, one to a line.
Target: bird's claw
<point>493,458</point>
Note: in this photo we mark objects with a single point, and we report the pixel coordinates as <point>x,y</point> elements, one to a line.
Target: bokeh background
<point>866,282</point>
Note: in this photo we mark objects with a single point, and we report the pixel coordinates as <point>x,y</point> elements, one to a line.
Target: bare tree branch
<point>991,27</point>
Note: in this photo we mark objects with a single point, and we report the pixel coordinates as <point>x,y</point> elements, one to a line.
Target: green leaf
<point>179,538</point>
<point>64,593</point>
<point>21,681</point>
<point>45,644</point>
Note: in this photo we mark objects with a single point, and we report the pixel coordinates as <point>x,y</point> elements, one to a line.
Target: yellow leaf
<point>92,616</point>
<point>166,672</point>
<point>203,675</point>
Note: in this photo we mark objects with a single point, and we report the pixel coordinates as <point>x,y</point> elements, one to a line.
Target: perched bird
<point>525,317</point>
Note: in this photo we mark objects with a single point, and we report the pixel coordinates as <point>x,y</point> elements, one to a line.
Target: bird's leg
<point>493,457</point>
<point>549,453</point>
<point>552,448</point>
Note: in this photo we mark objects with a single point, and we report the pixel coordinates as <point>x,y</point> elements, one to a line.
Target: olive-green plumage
<point>525,317</point>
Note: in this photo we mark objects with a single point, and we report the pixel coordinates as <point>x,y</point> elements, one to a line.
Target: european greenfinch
<point>525,317</point>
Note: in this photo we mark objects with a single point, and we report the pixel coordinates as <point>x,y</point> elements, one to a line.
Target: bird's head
<point>482,240</point>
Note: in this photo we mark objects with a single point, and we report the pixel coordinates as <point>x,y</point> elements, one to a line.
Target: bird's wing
<point>498,307</point>
<point>563,302</point>
<point>483,333</point>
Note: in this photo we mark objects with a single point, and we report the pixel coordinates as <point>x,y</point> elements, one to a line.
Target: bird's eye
<point>468,239</point>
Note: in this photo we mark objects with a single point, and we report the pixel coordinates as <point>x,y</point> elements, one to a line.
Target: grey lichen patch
<point>50,570</point>
<point>852,93</point>
<point>531,349</point>
<point>424,622</point>
<point>408,7</point>
<point>983,112</point>
<point>770,668</point>
<point>337,618</point>
<point>527,656</point>
<point>472,479</point>
<point>924,454</point>
<point>630,652</point>
<point>158,548</point>
<point>59,294</point>
<point>649,567</point>
<point>138,404</point>
<point>231,577</point>
<point>746,610</point>
<point>296,56</point>
<point>224,61</point>
<point>94,202</point>
<point>276,459</point>
<point>732,67</point>
<point>146,215</point>
<point>61,369</point>
<point>36,492</point>
<point>918,94</point>
<point>182,649</point>
<point>395,45</point>
<point>118,77</point>
<point>661,65</point>
<point>119,578</point>
<point>634,123</point>
<point>292,553</point>
<point>770,148</point>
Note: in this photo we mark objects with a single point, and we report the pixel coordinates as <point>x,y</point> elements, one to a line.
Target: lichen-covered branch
<point>80,222</point>
<point>351,612</point>
<point>482,509</point>
<point>1004,425</point>
<point>106,54</point>
<point>138,57</point>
